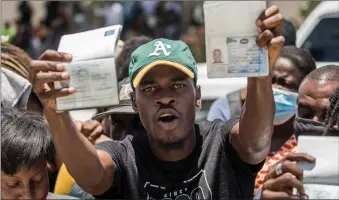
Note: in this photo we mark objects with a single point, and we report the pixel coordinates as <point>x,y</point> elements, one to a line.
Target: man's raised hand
<point>46,70</point>
<point>269,28</point>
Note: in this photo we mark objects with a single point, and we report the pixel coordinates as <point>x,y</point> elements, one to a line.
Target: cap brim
<point>127,109</point>
<point>137,79</point>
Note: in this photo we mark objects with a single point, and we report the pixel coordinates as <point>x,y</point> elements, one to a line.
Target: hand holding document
<point>231,33</point>
<point>92,70</point>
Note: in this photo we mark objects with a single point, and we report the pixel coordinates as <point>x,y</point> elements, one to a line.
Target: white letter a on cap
<point>159,46</point>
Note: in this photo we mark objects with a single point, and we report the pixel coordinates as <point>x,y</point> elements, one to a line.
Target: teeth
<point>166,115</point>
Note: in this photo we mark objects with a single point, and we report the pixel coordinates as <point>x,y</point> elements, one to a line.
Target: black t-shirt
<point>212,171</point>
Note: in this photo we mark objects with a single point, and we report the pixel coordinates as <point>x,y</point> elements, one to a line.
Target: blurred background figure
<point>8,30</point>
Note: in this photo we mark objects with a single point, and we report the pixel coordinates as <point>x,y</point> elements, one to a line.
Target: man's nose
<point>28,193</point>
<point>165,100</point>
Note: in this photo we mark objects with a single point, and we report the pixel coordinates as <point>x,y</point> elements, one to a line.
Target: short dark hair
<point>289,33</point>
<point>123,60</point>
<point>25,138</point>
<point>300,58</point>
<point>326,73</point>
<point>215,50</point>
<point>332,118</point>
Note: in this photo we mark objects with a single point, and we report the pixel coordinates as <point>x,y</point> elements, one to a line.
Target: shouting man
<point>172,157</point>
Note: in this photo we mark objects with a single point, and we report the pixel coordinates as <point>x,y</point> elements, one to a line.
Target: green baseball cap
<point>161,51</point>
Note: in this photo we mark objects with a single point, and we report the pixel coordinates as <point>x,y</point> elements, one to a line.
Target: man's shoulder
<point>210,127</point>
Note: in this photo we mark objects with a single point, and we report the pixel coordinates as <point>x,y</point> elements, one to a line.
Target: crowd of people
<point>149,146</point>
<point>156,19</point>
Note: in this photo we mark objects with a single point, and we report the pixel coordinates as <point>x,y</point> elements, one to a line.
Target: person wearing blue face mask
<point>293,65</point>
<point>285,105</point>
<point>288,72</point>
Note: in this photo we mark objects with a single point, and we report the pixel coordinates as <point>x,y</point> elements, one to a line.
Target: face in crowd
<point>315,92</point>
<point>166,101</point>
<point>314,100</point>
<point>293,65</point>
<point>25,146</point>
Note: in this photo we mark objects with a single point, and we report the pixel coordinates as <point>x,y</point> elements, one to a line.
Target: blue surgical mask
<point>285,105</point>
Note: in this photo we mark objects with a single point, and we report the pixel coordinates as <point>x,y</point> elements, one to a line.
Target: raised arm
<point>92,170</point>
<point>251,137</point>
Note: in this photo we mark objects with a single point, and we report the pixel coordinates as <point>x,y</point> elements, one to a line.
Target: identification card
<point>231,49</point>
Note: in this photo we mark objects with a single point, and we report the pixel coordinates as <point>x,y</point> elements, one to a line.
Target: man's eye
<point>149,89</point>
<point>12,185</point>
<point>177,86</point>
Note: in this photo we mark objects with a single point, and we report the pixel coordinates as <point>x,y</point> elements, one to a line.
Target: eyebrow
<point>180,78</point>
<point>147,82</point>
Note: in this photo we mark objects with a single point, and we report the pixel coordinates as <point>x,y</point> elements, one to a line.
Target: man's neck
<point>177,151</point>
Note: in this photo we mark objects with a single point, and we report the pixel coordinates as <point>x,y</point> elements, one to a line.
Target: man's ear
<point>198,96</point>
<point>134,105</point>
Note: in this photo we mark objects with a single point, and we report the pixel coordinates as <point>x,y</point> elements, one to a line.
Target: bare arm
<point>80,156</point>
<point>251,137</point>
<point>92,170</point>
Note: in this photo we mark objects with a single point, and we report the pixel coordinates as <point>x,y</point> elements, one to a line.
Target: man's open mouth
<point>167,118</point>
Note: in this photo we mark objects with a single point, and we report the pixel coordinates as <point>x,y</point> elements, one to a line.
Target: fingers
<point>42,78</point>
<point>92,129</point>
<point>271,22</point>
<point>49,77</point>
<point>51,55</point>
<point>269,28</point>
<point>276,42</point>
<point>96,134</point>
<point>292,167</point>
<point>267,194</point>
<point>270,18</point>
<point>286,166</point>
<point>45,66</point>
<point>298,157</point>
<point>268,12</point>
<point>265,38</point>
<point>283,182</point>
<point>53,94</point>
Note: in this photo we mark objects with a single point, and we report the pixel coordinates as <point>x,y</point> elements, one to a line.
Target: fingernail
<point>68,56</point>
<point>71,90</point>
<point>60,67</point>
<point>65,75</point>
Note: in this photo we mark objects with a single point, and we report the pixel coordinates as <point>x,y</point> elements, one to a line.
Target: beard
<point>171,142</point>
